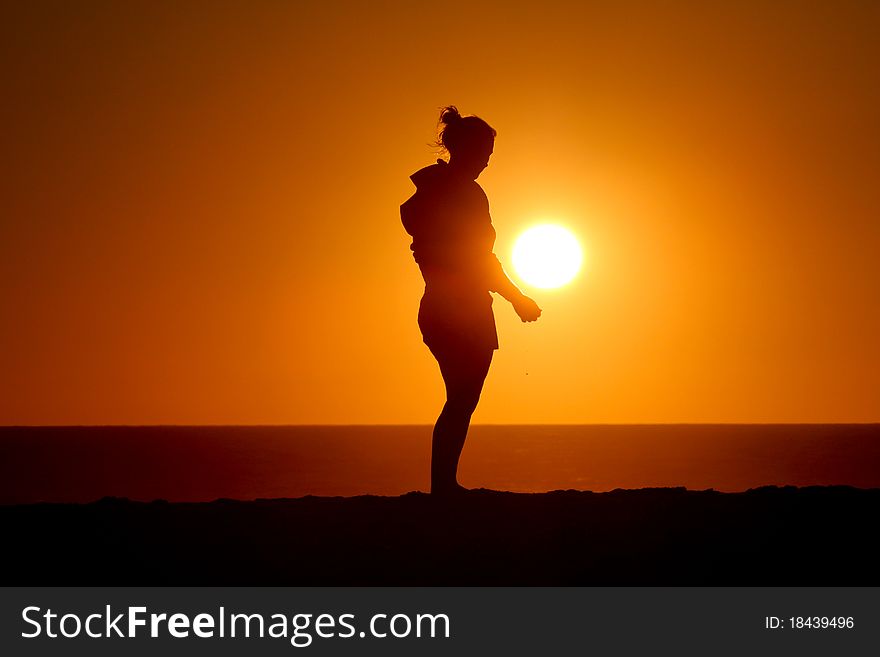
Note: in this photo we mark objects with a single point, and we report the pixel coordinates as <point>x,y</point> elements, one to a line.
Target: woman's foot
<point>448,490</point>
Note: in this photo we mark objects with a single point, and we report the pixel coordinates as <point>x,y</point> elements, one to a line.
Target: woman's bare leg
<point>464,374</point>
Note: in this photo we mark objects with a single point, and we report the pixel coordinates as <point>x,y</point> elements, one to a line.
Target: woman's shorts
<point>460,324</point>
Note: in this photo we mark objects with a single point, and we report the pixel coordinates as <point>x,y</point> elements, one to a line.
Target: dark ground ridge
<point>770,536</point>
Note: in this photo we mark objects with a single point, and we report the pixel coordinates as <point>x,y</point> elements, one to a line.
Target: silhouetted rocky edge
<point>661,536</point>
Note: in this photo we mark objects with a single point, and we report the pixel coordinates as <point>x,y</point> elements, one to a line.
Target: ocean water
<point>193,463</point>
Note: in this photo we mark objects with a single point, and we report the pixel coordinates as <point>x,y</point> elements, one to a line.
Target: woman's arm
<point>500,282</point>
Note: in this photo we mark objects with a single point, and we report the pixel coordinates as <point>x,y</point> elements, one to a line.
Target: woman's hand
<point>527,309</point>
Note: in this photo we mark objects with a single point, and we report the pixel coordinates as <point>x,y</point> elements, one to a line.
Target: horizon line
<point>426,424</point>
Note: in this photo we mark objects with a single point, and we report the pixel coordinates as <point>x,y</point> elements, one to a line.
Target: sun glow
<point>547,256</point>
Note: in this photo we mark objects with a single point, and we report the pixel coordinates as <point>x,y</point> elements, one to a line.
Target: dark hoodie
<point>448,218</point>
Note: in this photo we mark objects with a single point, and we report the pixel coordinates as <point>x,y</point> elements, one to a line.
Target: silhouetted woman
<point>448,218</point>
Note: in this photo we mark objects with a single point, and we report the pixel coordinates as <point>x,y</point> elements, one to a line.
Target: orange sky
<point>200,208</point>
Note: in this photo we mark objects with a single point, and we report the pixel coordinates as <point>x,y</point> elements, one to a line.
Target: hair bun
<point>450,115</point>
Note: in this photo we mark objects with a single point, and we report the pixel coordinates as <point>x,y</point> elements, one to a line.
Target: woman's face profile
<point>475,158</point>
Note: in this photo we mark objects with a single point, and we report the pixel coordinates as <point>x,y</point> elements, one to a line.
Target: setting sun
<point>547,256</point>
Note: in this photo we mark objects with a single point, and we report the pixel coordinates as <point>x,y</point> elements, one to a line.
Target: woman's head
<point>468,139</point>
